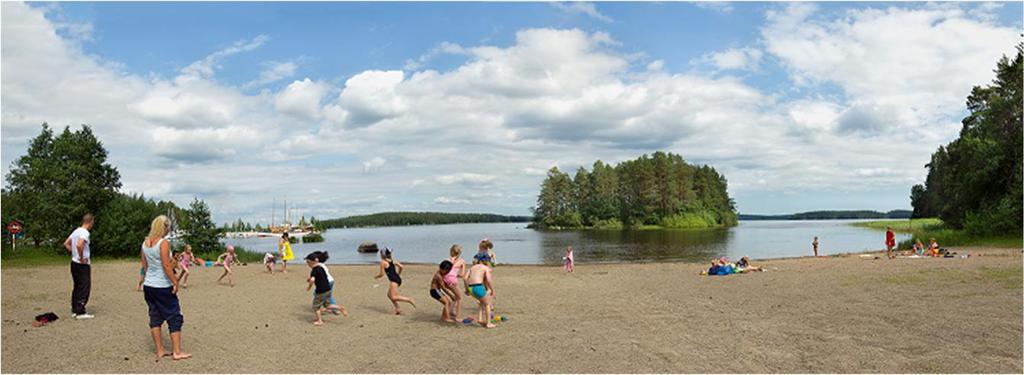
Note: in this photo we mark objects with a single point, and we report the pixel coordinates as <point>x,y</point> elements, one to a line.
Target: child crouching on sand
<point>442,292</point>
<point>480,287</point>
<point>321,278</point>
<point>269,260</point>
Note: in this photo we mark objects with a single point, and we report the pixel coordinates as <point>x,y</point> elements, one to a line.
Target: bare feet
<point>161,355</point>
<point>318,323</point>
<point>489,325</point>
<point>181,355</point>
<point>449,320</point>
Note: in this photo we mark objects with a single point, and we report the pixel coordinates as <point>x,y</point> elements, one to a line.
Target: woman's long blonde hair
<point>159,228</point>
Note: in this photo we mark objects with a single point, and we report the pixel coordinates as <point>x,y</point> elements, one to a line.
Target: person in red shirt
<point>890,242</point>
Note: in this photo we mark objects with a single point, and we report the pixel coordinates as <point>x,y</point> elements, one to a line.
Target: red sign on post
<point>14,227</point>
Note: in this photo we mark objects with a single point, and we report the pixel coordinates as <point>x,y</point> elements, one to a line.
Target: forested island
<point>384,219</point>
<point>657,191</point>
<point>833,215</point>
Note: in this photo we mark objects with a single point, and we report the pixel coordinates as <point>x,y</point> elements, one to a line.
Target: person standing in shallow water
<point>815,245</point>
<point>160,289</point>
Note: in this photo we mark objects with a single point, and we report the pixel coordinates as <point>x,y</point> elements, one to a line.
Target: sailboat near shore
<point>299,230</point>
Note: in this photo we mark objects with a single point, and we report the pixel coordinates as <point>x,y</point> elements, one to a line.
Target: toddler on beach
<point>480,287</point>
<point>226,260</point>
<point>442,292</point>
<point>457,272</point>
<point>485,254</point>
<point>269,260</point>
<point>321,278</point>
<point>185,260</point>
<point>568,258</point>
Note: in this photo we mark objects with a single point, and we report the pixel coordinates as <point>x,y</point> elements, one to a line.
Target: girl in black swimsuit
<point>393,270</point>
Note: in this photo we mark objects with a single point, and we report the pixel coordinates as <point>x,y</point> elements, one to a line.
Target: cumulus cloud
<point>302,98</point>
<point>447,200</point>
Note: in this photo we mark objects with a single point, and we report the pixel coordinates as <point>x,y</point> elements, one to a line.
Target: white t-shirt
<point>79,234</point>
<point>330,279</point>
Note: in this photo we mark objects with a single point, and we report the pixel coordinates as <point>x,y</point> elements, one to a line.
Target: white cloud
<point>273,72</point>
<point>302,98</point>
<point>717,6</point>
<point>374,164</point>
<point>447,200</point>
<point>580,7</point>
<point>466,179</point>
<point>909,66</point>
<point>735,59</point>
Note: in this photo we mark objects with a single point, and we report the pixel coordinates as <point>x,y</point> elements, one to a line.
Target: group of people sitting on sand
<point>932,250</point>
<point>722,266</point>
<point>477,281</point>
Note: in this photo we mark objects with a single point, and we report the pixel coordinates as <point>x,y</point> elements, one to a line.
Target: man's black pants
<point>81,274</point>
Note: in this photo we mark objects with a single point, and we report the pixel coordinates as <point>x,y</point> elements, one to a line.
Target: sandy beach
<point>835,314</point>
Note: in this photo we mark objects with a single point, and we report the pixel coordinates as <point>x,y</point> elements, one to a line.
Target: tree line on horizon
<point>62,177</point>
<point>833,215</point>
<point>974,182</point>
<point>383,219</point>
<point>661,189</point>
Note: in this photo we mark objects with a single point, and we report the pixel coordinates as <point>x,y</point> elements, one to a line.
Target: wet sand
<point>835,314</point>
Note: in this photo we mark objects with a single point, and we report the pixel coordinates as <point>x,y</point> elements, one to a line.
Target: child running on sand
<point>226,260</point>
<point>322,295</point>
<point>440,290</point>
<point>480,287</point>
<point>393,270</point>
<point>184,262</point>
<point>457,272</point>
<point>568,259</point>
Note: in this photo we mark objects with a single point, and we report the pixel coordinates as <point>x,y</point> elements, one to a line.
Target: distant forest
<point>385,219</point>
<point>833,215</point>
<point>658,190</point>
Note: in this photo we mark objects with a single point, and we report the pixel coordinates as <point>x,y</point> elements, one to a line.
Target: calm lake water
<point>514,244</point>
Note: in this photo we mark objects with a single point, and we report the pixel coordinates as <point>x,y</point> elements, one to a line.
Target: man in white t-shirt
<point>78,245</point>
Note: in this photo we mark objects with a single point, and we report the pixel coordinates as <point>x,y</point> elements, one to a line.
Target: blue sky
<point>350,108</point>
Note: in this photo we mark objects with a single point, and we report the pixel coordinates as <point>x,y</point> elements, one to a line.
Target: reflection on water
<point>514,244</point>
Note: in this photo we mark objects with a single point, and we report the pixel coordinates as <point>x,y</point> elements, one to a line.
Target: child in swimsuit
<point>568,260</point>
<point>457,272</point>
<point>393,270</point>
<point>269,260</point>
<point>225,260</point>
<point>320,277</point>
<point>485,254</point>
<point>184,263</point>
<point>479,281</point>
<point>440,290</point>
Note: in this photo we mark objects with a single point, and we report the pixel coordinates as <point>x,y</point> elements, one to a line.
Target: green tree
<point>201,232</point>
<point>58,180</point>
<point>125,224</point>
<point>974,182</point>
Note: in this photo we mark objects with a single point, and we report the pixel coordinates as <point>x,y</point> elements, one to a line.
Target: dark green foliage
<point>59,180</point>
<point>384,219</point>
<point>974,182</point>
<point>201,232</point>
<point>312,238</point>
<point>124,225</point>
<point>832,215</point>
<point>661,189</point>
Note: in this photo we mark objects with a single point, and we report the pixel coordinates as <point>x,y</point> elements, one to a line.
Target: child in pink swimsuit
<point>568,259</point>
<point>452,277</point>
<point>225,260</point>
<point>185,261</point>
